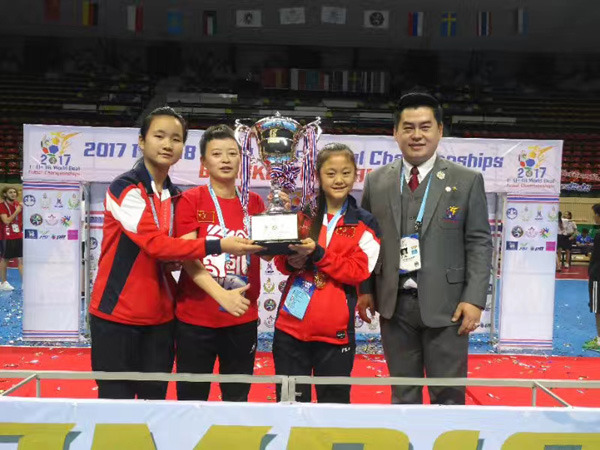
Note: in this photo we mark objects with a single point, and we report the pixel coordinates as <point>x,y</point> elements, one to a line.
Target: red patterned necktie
<point>414,179</point>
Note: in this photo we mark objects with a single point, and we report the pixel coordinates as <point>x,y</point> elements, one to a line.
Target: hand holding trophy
<point>277,138</point>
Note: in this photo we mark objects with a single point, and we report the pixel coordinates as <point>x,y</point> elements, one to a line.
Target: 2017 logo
<point>531,160</point>
<point>55,148</point>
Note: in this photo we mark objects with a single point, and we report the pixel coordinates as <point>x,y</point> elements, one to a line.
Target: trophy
<point>277,138</point>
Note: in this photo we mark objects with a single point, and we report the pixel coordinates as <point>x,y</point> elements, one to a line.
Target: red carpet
<point>480,366</point>
<point>573,273</point>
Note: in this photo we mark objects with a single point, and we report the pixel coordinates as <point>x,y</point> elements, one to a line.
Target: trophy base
<point>277,247</point>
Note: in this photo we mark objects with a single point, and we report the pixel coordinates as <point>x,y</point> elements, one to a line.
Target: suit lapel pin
<point>441,175</point>
<point>448,189</point>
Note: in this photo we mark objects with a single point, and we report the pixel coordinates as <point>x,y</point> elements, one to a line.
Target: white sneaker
<point>6,286</point>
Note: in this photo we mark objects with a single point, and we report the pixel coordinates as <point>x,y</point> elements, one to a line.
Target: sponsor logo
<point>31,234</point>
<point>537,249</point>
<point>268,286</point>
<point>73,202</point>
<point>96,219</point>
<point>66,221</point>
<point>93,243</point>
<point>269,270</point>
<point>29,200</point>
<point>72,235</point>
<point>531,232</point>
<point>517,232</point>
<point>512,245</point>
<point>51,219</point>
<point>512,213</point>
<point>45,202</point>
<point>36,220</point>
<point>545,232</point>
<point>270,322</point>
<point>539,215</point>
<point>270,304</point>
<point>523,246</point>
<point>58,204</point>
<point>44,235</point>
<point>59,237</point>
<point>282,286</point>
<point>550,246</point>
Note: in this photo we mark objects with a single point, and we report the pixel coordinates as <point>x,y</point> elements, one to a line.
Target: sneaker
<point>6,286</point>
<point>592,344</point>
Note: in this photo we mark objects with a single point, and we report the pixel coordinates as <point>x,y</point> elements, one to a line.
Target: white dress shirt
<point>424,168</point>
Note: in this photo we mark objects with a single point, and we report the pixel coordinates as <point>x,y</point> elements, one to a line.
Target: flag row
<point>418,23</point>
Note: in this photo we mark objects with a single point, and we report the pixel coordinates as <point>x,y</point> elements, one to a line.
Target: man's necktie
<point>414,178</point>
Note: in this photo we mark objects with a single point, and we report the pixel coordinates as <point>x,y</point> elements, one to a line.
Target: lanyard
<point>331,225</point>
<point>8,208</point>
<point>155,215</point>
<point>419,220</point>
<point>222,220</point>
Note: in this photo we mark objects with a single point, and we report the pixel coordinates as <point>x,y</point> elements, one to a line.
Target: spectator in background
<point>584,241</point>
<point>11,214</point>
<point>566,234</point>
<point>594,277</point>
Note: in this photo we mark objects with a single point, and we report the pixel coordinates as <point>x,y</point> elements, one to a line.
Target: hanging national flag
<point>174,22</point>
<point>135,17</point>
<point>209,23</point>
<point>249,18</point>
<point>376,19</point>
<point>415,23</point>
<point>291,16</point>
<point>522,21</point>
<point>448,24</point>
<point>484,23</point>
<point>333,14</point>
<point>51,10</point>
<point>89,13</point>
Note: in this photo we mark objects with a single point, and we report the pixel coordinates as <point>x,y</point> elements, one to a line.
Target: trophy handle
<point>316,125</point>
<point>240,130</point>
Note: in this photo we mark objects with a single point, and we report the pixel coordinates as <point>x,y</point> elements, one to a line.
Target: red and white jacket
<point>131,286</point>
<point>347,261</point>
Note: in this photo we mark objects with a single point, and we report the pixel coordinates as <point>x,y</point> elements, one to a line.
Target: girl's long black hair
<point>325,153</point>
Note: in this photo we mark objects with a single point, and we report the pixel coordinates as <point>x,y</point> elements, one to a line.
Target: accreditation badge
<point>410,254</point>
<point>15,228</point>
<point>298,298</point>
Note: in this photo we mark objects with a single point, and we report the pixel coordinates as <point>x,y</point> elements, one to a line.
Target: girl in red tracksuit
<point>314,331</point>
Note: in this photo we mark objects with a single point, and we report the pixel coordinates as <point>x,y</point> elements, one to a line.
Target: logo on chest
<point>346,231</point>
<point>206,216</point>
<point>452,214</point>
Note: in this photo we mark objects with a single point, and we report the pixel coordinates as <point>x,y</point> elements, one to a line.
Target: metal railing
<point>289,383</point>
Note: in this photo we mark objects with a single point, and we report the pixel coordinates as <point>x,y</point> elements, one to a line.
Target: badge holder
<point>298,298</point>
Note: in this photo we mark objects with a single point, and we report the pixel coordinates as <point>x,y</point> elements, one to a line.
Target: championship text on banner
<point>149,425</point>
<point>68,153</point>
